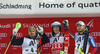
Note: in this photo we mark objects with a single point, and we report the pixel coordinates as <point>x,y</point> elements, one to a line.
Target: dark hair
<point>53,33</point>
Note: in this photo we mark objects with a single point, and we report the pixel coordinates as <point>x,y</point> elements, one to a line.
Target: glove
<point>61,52</point>
<point>66,24</point>
<point>87,29</point>
<point>15,30</point>
<point>80,51</point>
<point>40,30</point>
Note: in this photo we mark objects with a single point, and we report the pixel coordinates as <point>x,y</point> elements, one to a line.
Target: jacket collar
<point>30,37</point>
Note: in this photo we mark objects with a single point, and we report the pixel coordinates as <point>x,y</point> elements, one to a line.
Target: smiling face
<point>32,31</point>
<point>80,28</point>
<point>56,30</point>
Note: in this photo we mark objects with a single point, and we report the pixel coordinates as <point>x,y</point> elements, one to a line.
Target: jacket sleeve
<point>45,39</point>
<point>72,35</point>
<point>15,41</point>
<point>93,44</point>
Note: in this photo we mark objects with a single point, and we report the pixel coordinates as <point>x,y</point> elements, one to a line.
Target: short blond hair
<point>31,27</point>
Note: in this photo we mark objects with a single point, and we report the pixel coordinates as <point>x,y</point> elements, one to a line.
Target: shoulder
<point>50,35</point>
<point>76,33</point>
<point>62,34</point>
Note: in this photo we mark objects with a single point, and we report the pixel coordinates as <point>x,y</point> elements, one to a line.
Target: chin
<point>79,30</point>
<point>32,35</point>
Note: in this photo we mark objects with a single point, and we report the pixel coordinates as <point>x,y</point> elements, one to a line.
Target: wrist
<point>15,30</point>
<point>42,33</point>
<point>66,28</point>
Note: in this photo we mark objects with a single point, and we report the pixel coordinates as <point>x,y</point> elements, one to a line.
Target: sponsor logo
<point>98,44</point>
<point>13,25</point>
<point>66,38</point>
<point>57,46</point>
<point>3,45</point>
<point>19,35</point>
<point>15,6</point>
<point>91,23</point>
<point>67,35</point>
<point>47,45</point>
<point>3,34</point>
<point>25,25</point>
<point>95,33</point>
<point>5,26</point>
<point>16,46</point>
<point>47,33</point>
<point>66,49</point>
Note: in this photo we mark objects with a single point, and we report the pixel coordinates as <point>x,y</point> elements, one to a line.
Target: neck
<point>32,36</point>
<point>81,32</point>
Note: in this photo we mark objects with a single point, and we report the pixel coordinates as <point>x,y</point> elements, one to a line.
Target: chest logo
<point>31,43</point>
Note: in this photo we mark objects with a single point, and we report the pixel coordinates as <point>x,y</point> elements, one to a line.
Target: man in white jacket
<point>29,43</point>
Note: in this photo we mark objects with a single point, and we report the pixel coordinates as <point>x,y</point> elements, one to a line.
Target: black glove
<point>66,24</point>
<point>87,29</point>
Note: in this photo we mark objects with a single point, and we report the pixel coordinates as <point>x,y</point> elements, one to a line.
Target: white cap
<point>54,24</point>
<point>80,22</point>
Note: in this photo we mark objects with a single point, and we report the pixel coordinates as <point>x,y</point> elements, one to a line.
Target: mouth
<point>32,35</point>
<point>79,29</point>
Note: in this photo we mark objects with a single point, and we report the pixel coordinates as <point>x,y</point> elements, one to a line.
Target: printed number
<point>78,45</point>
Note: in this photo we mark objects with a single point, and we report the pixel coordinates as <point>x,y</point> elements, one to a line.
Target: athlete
<point>56,38</point>
<point>79,39</point>
<point>29,43</point>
